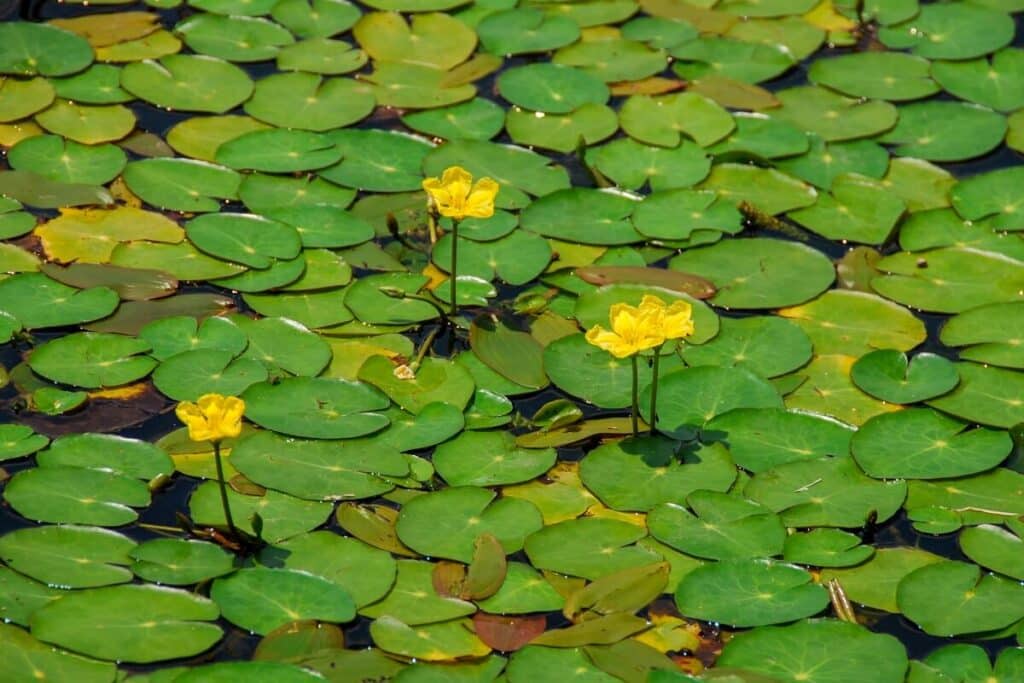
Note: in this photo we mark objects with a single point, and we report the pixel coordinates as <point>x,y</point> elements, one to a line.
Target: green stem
<point>454,270</point>
<point>654,388</point>
<point>224,490</point>
<point>636,396</point>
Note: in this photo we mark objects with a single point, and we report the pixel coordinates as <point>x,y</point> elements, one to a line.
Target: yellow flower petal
<point>455,196</point>
<point>213,417</point>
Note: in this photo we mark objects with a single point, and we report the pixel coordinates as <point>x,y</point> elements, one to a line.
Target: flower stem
<point>224,489</point>
<point>454,269</point>
<point>654,388</point>
<point>636,396</point>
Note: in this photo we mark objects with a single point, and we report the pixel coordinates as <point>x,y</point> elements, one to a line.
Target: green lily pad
<point>613,59</point>
<point>721,527</point>
<point>949,598</point>
<point>413,596</point>
<point>106,452</point>
<point>817,651</point>
<point>525,30</point>
<point>93,360</point>
<point>768,190</point>
<point>22,98</point>
<point>658,214</point>
<point>750,593</point>
<point>31,659</point>
<point>282,516</point>
<point>989,334</point>
<point>41,192</point>
<point>436,380</point>
<point>993,193</point>
<point>562,132</point>
<point>959,31</point>
<point>84,621</point>
<point>764,345</point>
<point>200,137</point>
<point>69,556</point>
<point>952,280</point>
<point>317,407</point>
<point>182,261</point>
<point>920,184</point>
<point>188,375</point>
<point>320,55</point>
<point>318,470</point>
<point>594,217</point>
<point>946,131</point>
<point>590,547</point>
<point>366,573</point>
<point>986,498</point>
<point>188,83</point>
<point>366,298</point>
<point>17,441</point>
<point>377,160</point>
<point>825,492</point>
<point>856,323</point>
<point>659,32</point>
<point>630,164</point>
<point>178,562</point>
<point>826,548</point>
<point>536,664</point>
<point>987,395</point>
<point>182,184</point>
<point>66,161</point>
<point>735,59</point>
<point>477,119</point>
<point>858,209</point>
<point>551,88</point>
<point>309,102</point>
<point>244,238</point>
<point>278,151</point>
<point>414,86</point>
<point>262,599</point>
<point>171,336</point>
<point>99,84</point>
<point>995,548</point>
<point>919,443</point>
<point>760,136</point>
<point>523,591</point>
<point>762,438</point>
<point>665,120</point>
<point>832,116</point>
<point>74,494</point>
<point>488,459</point>
<point>236,39</point>
<point>313,19</point>
<point>823,163</point>
<point>887,374</point>
<point>994,82</point>
<point>255,672</point>
<point>283,344</point>
<point>642,474</point>
<point>36,48</point>
<point>445,523</point>
<point>879,75</point>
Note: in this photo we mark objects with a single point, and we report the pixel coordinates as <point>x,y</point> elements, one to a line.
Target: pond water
<point>224,196</point>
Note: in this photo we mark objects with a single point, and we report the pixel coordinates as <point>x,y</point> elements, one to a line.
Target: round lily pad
<point>551,88</point>
<point>767,346</point>
<point>750,593</point>
<point>888,375</point>
<point>30,658</point>
<point>523,591</point>
<point>994,193</point>
<point>188,82</point>
<point>858,209</point>
<point>93,360</point>
<point>477,119</point>
<point>188,375</point>
<point>734,59</point>
<point>445,523</point>
<point>817,651</point>
<point>989,334</point>
<point>613,60</point>
<point>767,190</point>
<point>321,56</point>
<point>562,132</point>
<point>61,493</point>
<point>67,161</point>
<point>106,452</point>
<point>413,596</point>
<point>317,407</point>
<point>525,30</point>
<point>278,151</point>
<point>919,443</point>
<point>946,131</point>
<point>178,562</point>
<point>826,548</point>
<point>996,82</point>
<point>99,84</point>
<point>441,641</point>
<point>995,548</point>
<point>308,101</point>
<point>316,18</point>
<point>957,31</point>
<point>377,160</point>
<point>152,623</point>
<point>489,458</point>
<point>69,556</point>
<point>37,48</point>
<point>20,98</point>
<point>244,238</point>
<point>590,547</point>
<point>318,470</point>
<point>282,516</point>
<point>832,116</point>
<point>630,164</point>
<point>234,38</point>
<point>640,474</point>
<point>986,395</point>
<point>721,527</point>
<point>879,75</point>
<point>583,215</point>
<point>434,40</point>
<point>181,184</point>
<point>949,598</point>
<point>666,120</point>
<point>368,298</point>
<point>261,599</point>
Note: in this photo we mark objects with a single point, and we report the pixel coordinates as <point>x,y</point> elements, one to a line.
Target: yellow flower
<point>634,329</point>
<point>213,417</point>
<point>455,195</point>
<point>676,320</point>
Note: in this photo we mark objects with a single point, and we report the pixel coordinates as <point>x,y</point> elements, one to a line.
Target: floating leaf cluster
<point>226,197</point>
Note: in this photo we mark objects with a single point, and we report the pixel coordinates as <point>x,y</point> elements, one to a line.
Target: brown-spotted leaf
<point>487,571</point>
<point>695,286</point>
<point>448,579</point>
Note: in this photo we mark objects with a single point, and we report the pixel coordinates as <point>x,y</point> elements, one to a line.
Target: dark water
<point>173,499</point>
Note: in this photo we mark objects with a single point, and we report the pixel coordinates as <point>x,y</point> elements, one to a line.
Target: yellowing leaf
<point>13,133</point>
<point>120,393</point>
<point>90,235</point>
<point>107,29</point>
<point>671,634</point>
<point>824,16</point>
<point>436,275</point>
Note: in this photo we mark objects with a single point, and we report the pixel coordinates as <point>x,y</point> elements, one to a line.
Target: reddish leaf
<point>507,633</point>
<point>448,578</point>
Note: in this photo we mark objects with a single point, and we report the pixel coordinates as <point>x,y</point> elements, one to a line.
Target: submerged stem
<point>636,396</point>
<point>224,490</point>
